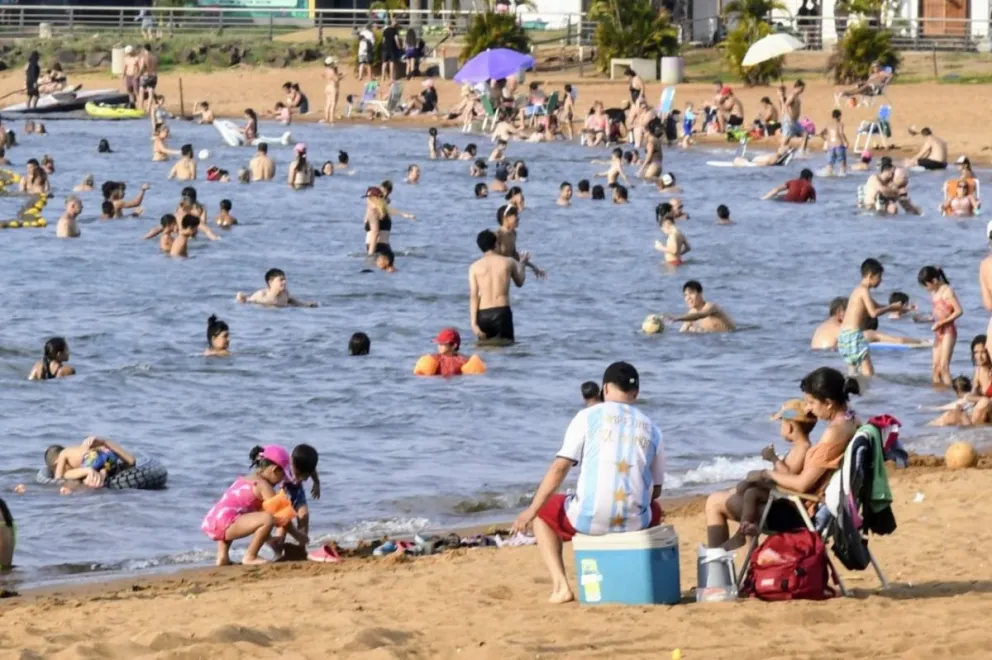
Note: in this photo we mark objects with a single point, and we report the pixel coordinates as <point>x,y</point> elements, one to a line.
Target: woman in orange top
<point>827,395</point>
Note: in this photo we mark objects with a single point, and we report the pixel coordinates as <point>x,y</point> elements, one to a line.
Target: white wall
<point>554,12</point>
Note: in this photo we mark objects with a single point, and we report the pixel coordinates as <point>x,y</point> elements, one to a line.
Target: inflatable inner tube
<point>147,474</point>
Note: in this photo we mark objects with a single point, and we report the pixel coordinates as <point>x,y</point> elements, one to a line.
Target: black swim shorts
<point>496,323</point>
<point>928,164</point>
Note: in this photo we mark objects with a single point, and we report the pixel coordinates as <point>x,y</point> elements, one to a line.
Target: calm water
<point>398,453</point>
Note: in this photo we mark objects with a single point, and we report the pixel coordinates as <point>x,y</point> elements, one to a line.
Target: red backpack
<point>789,566</point>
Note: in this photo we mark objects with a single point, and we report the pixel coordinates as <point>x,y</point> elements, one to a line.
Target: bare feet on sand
<point>254,561</point>
<point>561,595</point>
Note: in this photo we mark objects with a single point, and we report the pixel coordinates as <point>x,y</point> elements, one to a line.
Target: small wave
<point>365,530</point>
<point>721,469</point>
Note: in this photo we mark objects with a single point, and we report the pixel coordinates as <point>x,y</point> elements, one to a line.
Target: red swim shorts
<point>553,514</point>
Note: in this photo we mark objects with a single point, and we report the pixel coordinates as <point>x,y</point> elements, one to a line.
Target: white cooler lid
<point>662,536</point>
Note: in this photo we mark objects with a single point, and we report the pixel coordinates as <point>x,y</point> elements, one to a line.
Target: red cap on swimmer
<point>726,91</point>
<point>280,456</point>
<point>449,336</point>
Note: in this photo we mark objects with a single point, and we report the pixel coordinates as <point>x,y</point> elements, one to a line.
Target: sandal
<point>327,554</point>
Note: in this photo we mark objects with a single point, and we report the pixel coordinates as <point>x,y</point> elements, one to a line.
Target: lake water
<point>401,454</point>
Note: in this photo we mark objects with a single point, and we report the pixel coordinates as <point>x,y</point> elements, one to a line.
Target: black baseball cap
<point>623,375</point>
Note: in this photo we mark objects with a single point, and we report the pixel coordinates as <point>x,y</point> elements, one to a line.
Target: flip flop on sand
<point>325,555</point>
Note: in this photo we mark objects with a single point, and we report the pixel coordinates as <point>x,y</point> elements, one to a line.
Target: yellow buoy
<point>42,222</point>
<point>13,224</point>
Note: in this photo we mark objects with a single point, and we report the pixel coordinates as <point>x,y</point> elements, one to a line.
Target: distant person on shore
<point>613,496</point>
<point>276,293</point>
<point>366,44</point>
<point>703,316</point>
<point>148,79</point>
<point>825,335</point>
<point>798,191</point>
<point>261,166</point>
<point>239,512</point>
<point>90,463</point>
<point>332,89</point>
<point>32,72</point>
<point>391,49</point>
<point>131,76</point>
<point>851,342</point>
<point>932,155</point>
<point>67,226</point>
<point>54,361</point>
<point>489,290</point>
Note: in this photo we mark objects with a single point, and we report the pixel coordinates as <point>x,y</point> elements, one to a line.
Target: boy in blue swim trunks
<point>836,141</point>
<point>851,343</point>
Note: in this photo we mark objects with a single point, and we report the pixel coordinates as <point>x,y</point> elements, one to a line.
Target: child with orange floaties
<point>447,361</point>
<point>251,507</point>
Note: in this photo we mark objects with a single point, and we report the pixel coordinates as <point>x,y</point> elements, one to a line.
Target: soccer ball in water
<point>204,154</point>
<point>652,325</point>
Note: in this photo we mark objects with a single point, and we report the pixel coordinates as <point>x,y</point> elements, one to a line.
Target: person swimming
<point>54,361</point>
<point>218,338</point>
<point>359,344</point>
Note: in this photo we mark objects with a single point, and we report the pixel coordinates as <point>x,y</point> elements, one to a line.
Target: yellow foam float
<point>474,367</point>
<point>428,365</point>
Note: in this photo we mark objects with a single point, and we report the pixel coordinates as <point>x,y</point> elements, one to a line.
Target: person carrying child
<point>240,514</point>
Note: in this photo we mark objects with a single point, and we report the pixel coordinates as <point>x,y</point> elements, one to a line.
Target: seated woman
<point>826,395</point>
<point>92,462</point>
<point>962,204</point>
<point>425,102</point>
<point>873,84</point>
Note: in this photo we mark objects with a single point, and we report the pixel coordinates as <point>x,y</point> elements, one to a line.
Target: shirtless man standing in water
<point>489,290</point>
<point>792,106</point>
<point>67,227</point>
<point>262,167</point>
<point>703,316</point>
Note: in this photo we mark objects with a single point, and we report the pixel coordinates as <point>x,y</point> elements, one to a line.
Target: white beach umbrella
<point>770,47</point>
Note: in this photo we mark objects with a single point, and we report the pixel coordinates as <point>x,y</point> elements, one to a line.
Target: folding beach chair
<point>868,99</point>
<point>390,105</point>
<point>879,128</point>
<point>491,115</point>
<point>550,107</point>
<point>369,94</point>
<point>844,531</point>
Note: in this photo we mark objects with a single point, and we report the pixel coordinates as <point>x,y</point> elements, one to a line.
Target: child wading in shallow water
<point>239,512</point>
<point>946,310</point>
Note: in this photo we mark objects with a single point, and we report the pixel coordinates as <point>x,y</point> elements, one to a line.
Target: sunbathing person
<point>961,411</point>
<point>873,84</point>
<point>781,156</point>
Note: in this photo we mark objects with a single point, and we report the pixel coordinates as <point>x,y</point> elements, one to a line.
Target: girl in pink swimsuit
<point>946,310</point>
<point>239,512</point>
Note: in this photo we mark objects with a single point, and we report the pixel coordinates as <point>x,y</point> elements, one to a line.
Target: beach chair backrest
<point>487,105</point>
<point>885,113</point>
<point>395,96</point>
<point>552,102</point>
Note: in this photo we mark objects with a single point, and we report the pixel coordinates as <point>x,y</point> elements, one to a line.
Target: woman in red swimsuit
<point>946,310</point>
<point>981,380</point>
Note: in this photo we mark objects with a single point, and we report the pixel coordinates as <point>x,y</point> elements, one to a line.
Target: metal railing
<point>822,33</point>
<point>68,21</point>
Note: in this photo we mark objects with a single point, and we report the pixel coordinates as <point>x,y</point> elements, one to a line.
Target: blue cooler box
<point>632,568</point>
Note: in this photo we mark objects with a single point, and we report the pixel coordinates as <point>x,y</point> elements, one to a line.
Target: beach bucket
<point>716,577</point>
<point>630,568</point>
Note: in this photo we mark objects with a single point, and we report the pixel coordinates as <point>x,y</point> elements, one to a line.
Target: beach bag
<point>789,566</point>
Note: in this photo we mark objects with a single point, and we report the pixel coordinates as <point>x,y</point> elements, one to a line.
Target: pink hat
<point>301,147</point>
<point>280,456</point>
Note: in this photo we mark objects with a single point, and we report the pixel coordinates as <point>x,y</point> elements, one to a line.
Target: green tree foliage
<point>735,48</point>
<point>861,45</point>
<point>631,28</point>
<point>491,30</point>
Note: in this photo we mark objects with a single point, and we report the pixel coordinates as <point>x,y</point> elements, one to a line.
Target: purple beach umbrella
<point>493,65</point>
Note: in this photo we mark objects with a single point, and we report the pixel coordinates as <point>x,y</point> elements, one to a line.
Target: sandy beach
<point>955,118</point>
<point>488,603</point>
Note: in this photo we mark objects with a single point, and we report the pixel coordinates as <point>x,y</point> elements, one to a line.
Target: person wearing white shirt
<point>621,462</point>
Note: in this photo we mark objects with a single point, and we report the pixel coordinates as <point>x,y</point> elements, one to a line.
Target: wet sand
<point>958,117</point>
<point>488,603</point>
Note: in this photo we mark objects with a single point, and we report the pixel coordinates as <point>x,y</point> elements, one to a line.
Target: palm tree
<point>631,28</point>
